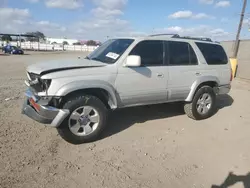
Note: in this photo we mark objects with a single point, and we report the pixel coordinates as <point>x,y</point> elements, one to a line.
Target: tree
<point>77,43</point>
<point>65,43</point>
<point>6,38</point>
<point>91,43</point>
<point>37,36</point>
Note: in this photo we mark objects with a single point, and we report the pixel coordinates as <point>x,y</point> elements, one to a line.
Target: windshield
<point>110,51</point>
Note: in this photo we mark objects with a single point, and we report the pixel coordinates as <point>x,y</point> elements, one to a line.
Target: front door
<point>145,84</point>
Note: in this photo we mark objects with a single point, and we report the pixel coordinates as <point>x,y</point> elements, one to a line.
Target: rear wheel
<point>87,119</point>
<point>203,104</point>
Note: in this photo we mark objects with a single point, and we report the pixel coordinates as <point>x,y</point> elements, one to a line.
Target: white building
<point>61,40</point>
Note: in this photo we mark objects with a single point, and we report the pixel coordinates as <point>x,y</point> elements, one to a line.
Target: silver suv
<point>75,96</point>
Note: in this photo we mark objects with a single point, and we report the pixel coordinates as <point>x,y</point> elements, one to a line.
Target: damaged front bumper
<point>42,113</point>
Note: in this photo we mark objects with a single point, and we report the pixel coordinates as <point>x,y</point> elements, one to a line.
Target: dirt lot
<point>156,146</point>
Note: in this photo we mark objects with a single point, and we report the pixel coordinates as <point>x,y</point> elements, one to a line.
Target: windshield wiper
<point>87,57</point>
<point>96,59</point>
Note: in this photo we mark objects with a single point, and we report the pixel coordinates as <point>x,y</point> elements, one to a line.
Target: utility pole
<point>236,45</point>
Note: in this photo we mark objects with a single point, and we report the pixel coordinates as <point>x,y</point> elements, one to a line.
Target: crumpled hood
<point>59,65</point>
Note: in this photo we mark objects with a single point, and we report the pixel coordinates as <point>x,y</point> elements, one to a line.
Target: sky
<point>99,19</point>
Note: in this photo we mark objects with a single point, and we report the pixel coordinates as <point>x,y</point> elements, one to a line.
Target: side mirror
<point>133,61</point>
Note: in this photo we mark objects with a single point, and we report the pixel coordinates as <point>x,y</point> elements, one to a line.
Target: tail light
<point>231,77</point>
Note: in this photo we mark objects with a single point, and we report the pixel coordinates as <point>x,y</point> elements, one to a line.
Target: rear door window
<point>181,53</point>
<point>214,54</point>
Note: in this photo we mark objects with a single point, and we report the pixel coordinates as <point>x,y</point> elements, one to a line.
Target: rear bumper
<point>224,89</point>
<point>44,114</point>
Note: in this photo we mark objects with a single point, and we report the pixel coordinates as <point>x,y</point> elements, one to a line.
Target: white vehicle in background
<point>75,95</point>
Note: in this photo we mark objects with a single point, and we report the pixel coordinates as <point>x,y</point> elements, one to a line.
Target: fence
<point>243,57</point>
<point>50,47</point>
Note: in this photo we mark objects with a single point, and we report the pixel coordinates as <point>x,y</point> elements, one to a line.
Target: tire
<point>79,105</point>
<point>202,98</point>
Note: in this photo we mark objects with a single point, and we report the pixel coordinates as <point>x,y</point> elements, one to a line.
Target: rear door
<point>183,69</point>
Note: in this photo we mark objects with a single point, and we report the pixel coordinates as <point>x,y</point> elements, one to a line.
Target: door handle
<point>160,75</point>
<point>197,73</point>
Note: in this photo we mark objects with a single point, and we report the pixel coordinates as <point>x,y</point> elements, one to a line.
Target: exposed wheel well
<point>212,84</point>
<point>102,94</point>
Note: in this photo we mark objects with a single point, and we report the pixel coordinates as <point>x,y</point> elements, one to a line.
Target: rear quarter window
<point>214,54</point>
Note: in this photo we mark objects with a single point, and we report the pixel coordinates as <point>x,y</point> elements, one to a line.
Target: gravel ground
<point>153,146</point>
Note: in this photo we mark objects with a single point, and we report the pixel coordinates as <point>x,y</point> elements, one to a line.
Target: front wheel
<point>87,119</point>
<point>203,104</point>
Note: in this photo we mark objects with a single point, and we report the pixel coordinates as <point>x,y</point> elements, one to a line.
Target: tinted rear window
<point>181,53</point>
<point>213,53</point>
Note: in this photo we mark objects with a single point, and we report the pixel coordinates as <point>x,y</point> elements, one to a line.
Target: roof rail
<point>194,38</point>
<point>183,37</point>
<point>162,34</point>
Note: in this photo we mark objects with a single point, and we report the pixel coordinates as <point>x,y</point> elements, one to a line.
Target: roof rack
<point>183,37</point>
<point>162,34</point>
<point>193,38</point>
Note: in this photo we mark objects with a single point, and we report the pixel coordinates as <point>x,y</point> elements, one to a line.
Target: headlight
<point>33,76</point>
<point>38,84</point>
<point>45,84</point>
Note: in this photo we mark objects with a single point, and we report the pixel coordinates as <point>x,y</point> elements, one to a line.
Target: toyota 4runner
<point>75,95</point>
